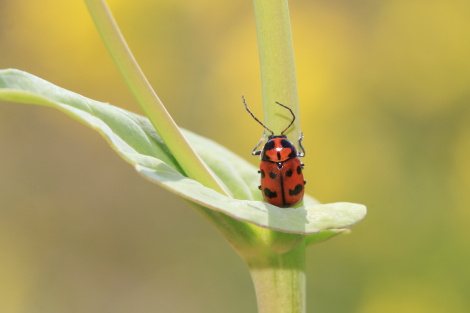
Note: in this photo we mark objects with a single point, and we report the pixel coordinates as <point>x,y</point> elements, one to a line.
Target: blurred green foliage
<point>385,101</point>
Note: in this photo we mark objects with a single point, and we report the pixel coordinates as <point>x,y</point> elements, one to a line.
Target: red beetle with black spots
<point>282,181</point>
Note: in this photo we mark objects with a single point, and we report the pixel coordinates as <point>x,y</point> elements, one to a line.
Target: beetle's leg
<point>301,154</point>
<point>258,152</point>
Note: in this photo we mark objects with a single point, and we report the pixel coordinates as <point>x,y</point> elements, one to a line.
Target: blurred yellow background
<point>385,100</point>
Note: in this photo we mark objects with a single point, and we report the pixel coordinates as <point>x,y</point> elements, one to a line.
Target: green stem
<point>236,232</point>
<point>279,281</point>
<point>279,277</point>
<point>189,161</point>
<point>276,56</point>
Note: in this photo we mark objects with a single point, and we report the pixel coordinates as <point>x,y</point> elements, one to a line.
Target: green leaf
<point>324,235</point>
<point>136,141</point>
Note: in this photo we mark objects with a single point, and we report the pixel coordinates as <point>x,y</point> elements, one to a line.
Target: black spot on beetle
<point>296,190</point>
<point>262,173</point>
<point>299,170</point>
<point>289,173</point>
<point>286,143</point>
<point>269,145</point>
<point>270,194</point>
<point>272,175</point>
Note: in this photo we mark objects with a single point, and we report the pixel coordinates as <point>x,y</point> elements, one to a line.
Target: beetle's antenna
<point>293,117</point>
<point>246,107</point>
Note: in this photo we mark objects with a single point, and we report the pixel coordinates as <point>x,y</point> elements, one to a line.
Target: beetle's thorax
<point>278,149</point>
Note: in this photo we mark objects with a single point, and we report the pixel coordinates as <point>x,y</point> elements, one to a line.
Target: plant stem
<point>279,278</point>
<point>236,232</point>
<point>276,56</point>
<point>279,281</point>
<point>189,161</point>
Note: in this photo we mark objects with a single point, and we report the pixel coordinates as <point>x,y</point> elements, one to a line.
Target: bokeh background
<point>385,101</point>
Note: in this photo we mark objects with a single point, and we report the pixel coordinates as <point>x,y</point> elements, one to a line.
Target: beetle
<point>282,181</point>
